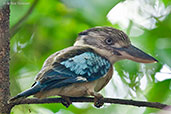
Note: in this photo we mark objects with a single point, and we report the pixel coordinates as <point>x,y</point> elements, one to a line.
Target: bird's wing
<point>81,67</point>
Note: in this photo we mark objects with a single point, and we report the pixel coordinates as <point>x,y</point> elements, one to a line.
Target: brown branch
<point>14,29</point>
<point>90,99</point>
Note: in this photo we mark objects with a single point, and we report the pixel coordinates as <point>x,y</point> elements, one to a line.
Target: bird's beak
<point>136,54</point>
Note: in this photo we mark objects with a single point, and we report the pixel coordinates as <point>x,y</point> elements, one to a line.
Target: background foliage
<point>54,25</point>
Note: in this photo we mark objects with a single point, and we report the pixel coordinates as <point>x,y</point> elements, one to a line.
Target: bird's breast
<point>102,82</point>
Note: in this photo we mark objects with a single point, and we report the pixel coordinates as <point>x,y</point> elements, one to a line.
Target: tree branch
<point>4,59</point>
<point>15,28</point>
<point>90,99</point>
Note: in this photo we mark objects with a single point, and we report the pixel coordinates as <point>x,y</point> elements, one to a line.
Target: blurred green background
<point>53,25</point>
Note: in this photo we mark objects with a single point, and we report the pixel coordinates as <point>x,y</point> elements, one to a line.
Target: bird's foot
<point>66,101</point>
<point>98,100</point>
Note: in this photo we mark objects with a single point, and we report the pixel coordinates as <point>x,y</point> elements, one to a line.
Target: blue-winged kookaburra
<point>85,68</point>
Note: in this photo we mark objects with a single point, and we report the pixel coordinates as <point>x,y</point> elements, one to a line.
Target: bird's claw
<point>98,101</point>
<point>66,101</point>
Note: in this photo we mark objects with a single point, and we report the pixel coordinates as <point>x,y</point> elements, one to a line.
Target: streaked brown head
<point>113,44</point>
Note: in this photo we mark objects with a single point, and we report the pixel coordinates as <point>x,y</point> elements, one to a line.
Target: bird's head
<point>113,44</point>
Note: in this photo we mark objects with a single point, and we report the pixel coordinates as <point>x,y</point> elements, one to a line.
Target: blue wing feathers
<point>62,70</point>
<point>88,65</point>
<point>62,83</point>
<point>88,60</point>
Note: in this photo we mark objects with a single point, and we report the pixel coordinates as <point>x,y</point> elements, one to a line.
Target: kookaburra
<point>86,67</point>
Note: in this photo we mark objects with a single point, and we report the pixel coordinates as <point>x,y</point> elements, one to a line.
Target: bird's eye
<point>109,41</point>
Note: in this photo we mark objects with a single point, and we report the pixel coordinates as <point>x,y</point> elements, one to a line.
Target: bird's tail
<point>35,89</point>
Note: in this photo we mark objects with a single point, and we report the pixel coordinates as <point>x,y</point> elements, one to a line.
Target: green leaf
<point>94,11</point>
<point>166,2</point>
<point>159,91</point>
